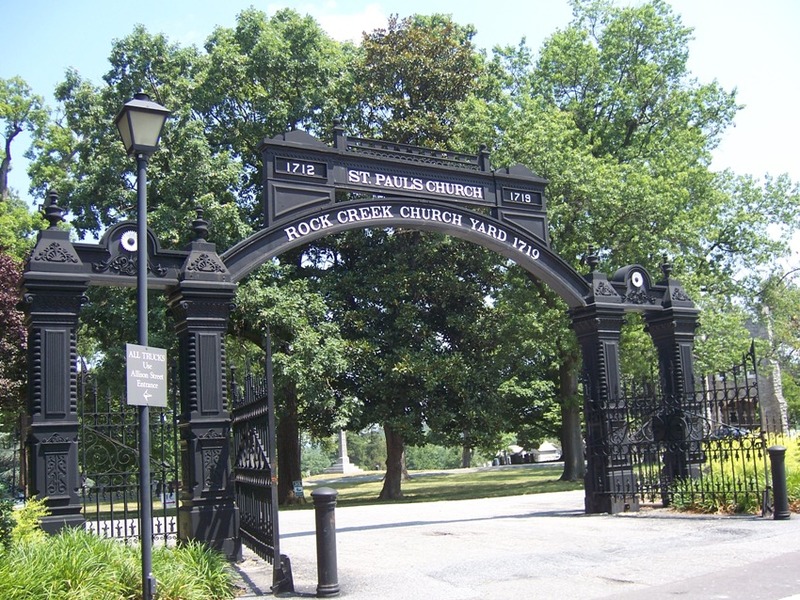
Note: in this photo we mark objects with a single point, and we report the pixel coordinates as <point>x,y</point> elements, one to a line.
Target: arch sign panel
<point>312,189</point>
<point>301,173</point>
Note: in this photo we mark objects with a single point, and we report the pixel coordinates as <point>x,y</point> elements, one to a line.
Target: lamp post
<point>140,123</point>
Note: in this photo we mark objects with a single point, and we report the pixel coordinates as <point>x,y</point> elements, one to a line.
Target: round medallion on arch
<point>129,241</point>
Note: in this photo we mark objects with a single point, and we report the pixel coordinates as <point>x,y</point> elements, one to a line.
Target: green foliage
<point>13,343</point>
<point>411,77</point>
<point>17,228</point>
<point>192,572</point>
<point>309,353</point>
<point>6,522</point>
<point>432,457</point>
<point>27,522</point>
<point>729,470</point>
<point>367,448</point>
<point>714,493</point>
<point>20,111</point>
<point>638,360</point>
<point>76,565</point>
<point>314,459</point>
<point>421,333</point>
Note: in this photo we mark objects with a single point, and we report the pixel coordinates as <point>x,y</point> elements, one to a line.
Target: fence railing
<point>108,446</point>
<point>706,450</point>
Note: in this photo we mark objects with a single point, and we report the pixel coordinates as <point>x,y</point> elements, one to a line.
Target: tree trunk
<point>5,165</point>
<point>466,457</point>
<point>288,442</point>
<point>395,465</point>
<point>571,405</point>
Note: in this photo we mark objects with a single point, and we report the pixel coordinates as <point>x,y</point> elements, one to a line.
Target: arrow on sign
<point>147,395</point>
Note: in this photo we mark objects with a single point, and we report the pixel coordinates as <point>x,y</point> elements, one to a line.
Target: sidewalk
<point>539,547</point>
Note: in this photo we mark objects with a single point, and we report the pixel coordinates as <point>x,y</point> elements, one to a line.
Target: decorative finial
<point>200,226</point>
<point>483,158</point>
<point>666,266</point>
<point>592,259</point>
<point>339,137</point>
<point>53,212</point>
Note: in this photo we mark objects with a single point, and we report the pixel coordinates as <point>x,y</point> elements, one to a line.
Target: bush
<point>431,457</point>
<point>191,572</point>
<point>6,521</point>
<point>27,521</point>
<point>793,472</point>
<point>720,487</point>
<point>314,460</point>
<point>78,565</point>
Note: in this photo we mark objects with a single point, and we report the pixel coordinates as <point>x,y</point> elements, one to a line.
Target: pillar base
<point>215,526</point>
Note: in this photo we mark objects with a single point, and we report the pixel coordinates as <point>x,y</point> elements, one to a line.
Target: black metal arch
<point>308,194</point>
<point>504,238</point>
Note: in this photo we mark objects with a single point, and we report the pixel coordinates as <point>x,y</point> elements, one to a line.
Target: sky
<point>748,45</point>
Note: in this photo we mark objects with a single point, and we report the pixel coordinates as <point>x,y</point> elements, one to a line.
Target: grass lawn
<point>457,484</point>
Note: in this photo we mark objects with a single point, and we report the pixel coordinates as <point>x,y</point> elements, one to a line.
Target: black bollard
<point>777,459</point>
<point>325,511</point>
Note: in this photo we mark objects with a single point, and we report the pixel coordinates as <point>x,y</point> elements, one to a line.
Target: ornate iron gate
<point>108,447</point>
<point>255,476</point>
<point>706,451</point>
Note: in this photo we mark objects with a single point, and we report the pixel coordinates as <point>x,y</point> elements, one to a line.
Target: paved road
<point>541,547</point>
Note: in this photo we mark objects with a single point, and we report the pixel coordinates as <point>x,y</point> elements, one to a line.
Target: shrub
<point>27,521</point>
<point>6,521</point>
<point>77,565</point>
<point>733,471</point>
<point>73,565</point>
<point>191,572</point>
<point>793,472</point>
<point>727,475</point>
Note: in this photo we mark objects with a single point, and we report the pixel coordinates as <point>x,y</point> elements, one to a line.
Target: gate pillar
<point>201,304</point>
<point>609,481</point>
<point>672,330</point>
<point>53,291</point>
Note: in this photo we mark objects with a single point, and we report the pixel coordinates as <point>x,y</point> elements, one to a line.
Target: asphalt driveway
<point>539,546</point>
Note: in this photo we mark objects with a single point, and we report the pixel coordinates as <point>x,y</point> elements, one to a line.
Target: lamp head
<point>140,123</point>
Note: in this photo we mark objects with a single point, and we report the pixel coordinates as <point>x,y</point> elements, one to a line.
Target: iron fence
<point>706,450</point>
<point>108,446</point>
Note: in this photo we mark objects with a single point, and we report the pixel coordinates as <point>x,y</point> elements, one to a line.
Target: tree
<point>406,302</point>
<point>17,226</point>
<point>20,111</point>
<point>13,343</point>
<point>309,355</point>
<point>80,154</point>
<point>259,78</point>
<point>266,76</point>
<point>408,79</point>
<point>411,77</point>
<point>611,116</point>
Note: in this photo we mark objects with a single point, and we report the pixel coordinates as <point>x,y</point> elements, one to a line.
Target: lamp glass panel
<point>146,127</point>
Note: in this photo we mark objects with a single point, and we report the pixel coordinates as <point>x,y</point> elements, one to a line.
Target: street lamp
<point>140,123</point>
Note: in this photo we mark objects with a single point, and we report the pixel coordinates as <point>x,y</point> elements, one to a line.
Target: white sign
<point>146,375</point>
<point>417,213</point>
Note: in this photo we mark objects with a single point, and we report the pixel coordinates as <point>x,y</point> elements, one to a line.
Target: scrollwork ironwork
<point>56,253</point>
